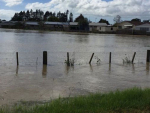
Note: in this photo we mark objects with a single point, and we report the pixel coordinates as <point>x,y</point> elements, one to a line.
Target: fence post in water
<point>68,63</point>
<point>148,55</point>
<point>133,57</point>
<point>91,58</point>
<point>44,57</point>
<point>110,58</point>
<point>17,58</point>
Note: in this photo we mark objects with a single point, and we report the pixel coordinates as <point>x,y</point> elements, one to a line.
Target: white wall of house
<point>145,27</point>
<point>96,26</point>
<point>108,29</point>
<point>124,25</point>
<point>103,28</point>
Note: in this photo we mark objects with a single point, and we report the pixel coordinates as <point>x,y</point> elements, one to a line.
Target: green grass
<point>131,100</point>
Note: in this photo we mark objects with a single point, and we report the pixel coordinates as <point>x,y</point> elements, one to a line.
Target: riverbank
<point>130,100</point>
<point>79,31</point>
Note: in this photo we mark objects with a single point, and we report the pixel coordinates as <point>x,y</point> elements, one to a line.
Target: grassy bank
<point>132,100</point>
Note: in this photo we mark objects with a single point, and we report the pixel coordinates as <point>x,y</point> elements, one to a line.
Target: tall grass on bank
<point>131,100</point>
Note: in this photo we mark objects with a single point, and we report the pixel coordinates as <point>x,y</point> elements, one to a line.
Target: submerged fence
<point>79,58</point>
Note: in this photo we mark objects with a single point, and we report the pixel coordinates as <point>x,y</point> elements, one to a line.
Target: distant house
<point>128,24</point>
<point>101,27</point>
<point>7,24</point>
<point>108,29</point>
<point>96,26</point>
<point>74,26</point>
<point>32,25</point>
<point>58,26</point>
<point>133,28</point>
<point>143,27</point>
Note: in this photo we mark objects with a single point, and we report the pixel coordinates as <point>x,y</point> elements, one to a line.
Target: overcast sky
<point>92,9</point>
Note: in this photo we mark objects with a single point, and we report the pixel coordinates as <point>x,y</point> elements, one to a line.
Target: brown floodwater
<point>31,81</point>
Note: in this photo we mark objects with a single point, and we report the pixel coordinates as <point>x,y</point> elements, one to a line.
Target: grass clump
<point>127,60</point>
<point>131,100</point>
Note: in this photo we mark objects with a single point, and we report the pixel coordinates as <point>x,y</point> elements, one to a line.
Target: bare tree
<point>117,19</point>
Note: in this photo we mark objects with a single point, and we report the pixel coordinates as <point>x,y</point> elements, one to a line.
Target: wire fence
<point>80,58</point>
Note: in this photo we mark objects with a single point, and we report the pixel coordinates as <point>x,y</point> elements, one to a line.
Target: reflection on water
<point>17,68</point>
<point>109,67</point>
<point>147,68</point>
<point>44,71</point>
<point>91,68</point>
<point>68,69</point>
<point>133,68</point>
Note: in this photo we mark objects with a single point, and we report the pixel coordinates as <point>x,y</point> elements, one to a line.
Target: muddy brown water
<point>31,81</point>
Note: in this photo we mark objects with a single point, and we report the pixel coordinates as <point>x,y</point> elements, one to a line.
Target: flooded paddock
<point>31,81</point>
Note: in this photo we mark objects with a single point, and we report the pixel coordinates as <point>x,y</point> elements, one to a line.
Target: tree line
<point>39,15</point>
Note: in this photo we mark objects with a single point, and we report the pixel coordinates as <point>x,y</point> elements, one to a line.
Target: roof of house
<point>144,25</point>
<point>136,23</point>
<point>56,23</point>
<point>73,23</point>
<point>7,23</point>
<point>31,23</point>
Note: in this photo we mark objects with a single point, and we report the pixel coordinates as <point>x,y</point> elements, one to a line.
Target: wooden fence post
<point>68,62</point>
<point>17,58</point>
<point>91,58</point>
<point>148,55</point>
<point>110,58</point>
<point>133,57</point>
<point>44,57</point>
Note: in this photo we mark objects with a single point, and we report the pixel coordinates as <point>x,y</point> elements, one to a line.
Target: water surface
<point>31,81</point>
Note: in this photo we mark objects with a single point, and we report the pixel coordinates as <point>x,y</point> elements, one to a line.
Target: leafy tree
<point>82,22</point>
<point>41,24</point>
<point>53,19</point>
<point>117,19</point>
<point>16,17</point>
<point>67,12</point>
<point>46,15</point>
<point>19,25</point>
<point>71,17</point>
<point>79,18</point>
<point>28,12</point>
<point>63,17</point>
<point>0,21</point>
<point>136,20</point>
<point>21,14</point>
<point>54,14</point>
<point>104,21</point>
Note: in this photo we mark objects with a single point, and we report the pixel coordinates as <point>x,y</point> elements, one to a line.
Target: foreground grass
<point>132,100</point>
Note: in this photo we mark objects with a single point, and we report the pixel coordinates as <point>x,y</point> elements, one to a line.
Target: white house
<point>108,29</point>
<point>96,26</point>
<point>143,27</point>
<point>101,27</point>
<point>128,24</point>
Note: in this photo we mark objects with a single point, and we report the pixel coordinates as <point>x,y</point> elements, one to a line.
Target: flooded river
<point>31,81</point>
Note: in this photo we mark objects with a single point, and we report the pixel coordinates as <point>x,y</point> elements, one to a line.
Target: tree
<point>136,20</point>
<point>63,17</point>
<point>19,25</point>
<point>41,24</point>
<point>82,22</point>
<point>53,19</point>
<point>79,18</point>
<point>117,19</point>
<point>46,15</point>
<point>67,12</point>
<point>104,21</point>
<point>0,21</point>
<point>71,17</point>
